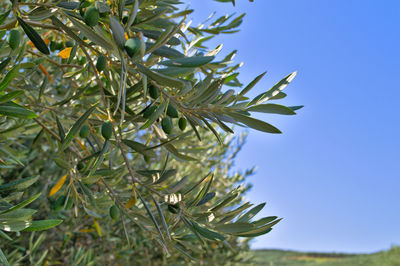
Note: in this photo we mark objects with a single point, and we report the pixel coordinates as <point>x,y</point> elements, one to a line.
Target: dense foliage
<point>116,135</point>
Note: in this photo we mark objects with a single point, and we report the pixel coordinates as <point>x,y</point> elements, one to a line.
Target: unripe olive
<point>172,112</point>
<point>91,16</point>
<point>132,46</point>
<point>166,125</point>
<point>84,132</point>
<point>149,111</point>
<point>106,130</point>
<point>182,123</point>
<point>101,63</point>
<point>14,39</point>
<point>153,92</point>
<point>114,212</point>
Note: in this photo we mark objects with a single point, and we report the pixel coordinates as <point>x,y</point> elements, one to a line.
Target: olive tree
<point>116,135</point>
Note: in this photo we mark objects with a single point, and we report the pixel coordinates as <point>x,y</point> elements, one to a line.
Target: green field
<point>272,257</point>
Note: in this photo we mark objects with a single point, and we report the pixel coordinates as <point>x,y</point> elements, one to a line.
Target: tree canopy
<point>116,135</point>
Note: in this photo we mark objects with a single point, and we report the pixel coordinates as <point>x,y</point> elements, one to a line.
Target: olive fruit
<point>149,111</point>
<point>14,39</point>
<point>84,132</point>
<point>91,16</point>
<point>114,212</point>
<point>132,46</point>
<point>153,92</point>
<point>106,130</point>
<point>101,63</point>
<point>182,123</point>
<point>172,112</point>
<point>166,125</point>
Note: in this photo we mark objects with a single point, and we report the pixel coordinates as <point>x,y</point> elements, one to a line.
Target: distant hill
<point>274,257</point>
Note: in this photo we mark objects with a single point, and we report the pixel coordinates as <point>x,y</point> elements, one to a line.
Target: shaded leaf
<point>34,37</point>
<point>76,127</point>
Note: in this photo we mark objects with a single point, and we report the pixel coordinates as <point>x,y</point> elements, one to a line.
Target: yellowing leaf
<point>58,185</point>
<point>41,67</point>
<point>97,226</point>
<point>64,54</point>
<point>89,230</point>
<point>126,36</point>
<point>130,203</point>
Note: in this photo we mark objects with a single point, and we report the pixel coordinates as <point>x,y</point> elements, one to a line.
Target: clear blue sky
<point>334,173</point>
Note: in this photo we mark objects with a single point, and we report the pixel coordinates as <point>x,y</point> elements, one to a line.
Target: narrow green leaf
<point>195,61</point>
<point>260,230</point>
<point>17,215</point>
<point>151,215</point>
<point>22,204</point>
<point>251,213</point>
<point>9,96</point>
<point>34,37</point>
<point>254,123</point>
<point>42,225</point>
<point>61,131</point>
<point>212,235</point>
<point>16,111</point>
<point>206,198</point>
<point>252,84</point>
<point>166,52</point>
<point>177,155</point>
<point>3,259</point>
<point>155,115</point>
<point>132,14</point>
<point>92,35</point>
<point>100,158</point>
<point>19,185</point>
<point>264,221</point>
<point>235,227</point>
<point>165,225</point>
<point>176,72</point>
<point>14,226</point>
<point>118,32</point>
<point>160,78</point>
<point>9,77</point>
<point>278,87</point>
<point>139,147</point>
<point>271,109</point>
<point>156,35</point>
<point>76,127</point>
<point>4,63</point>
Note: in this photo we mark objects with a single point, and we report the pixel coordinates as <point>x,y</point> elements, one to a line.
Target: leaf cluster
<point>116,129</point>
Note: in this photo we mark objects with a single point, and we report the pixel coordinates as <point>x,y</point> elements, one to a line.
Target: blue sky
<point>334,173</point>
